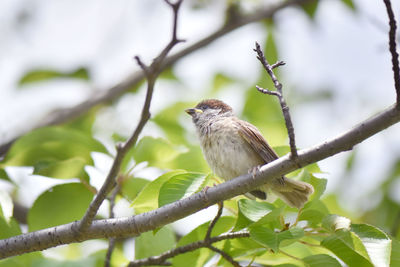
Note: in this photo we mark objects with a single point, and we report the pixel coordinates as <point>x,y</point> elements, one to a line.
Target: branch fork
<point>278,93</point>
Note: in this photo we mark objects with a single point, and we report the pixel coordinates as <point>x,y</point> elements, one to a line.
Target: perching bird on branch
<point>233,147</point>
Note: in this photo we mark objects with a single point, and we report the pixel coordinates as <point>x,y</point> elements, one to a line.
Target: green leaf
<point>272,239</point>
<point>51,144</point>
<point>310,8</point>
<point>64,169</point>
<point>395,256</point>
<point>149,244</point>
<point>156,151</point>
<point>9,228</point>
<point>321,260</point>
<point>84,123</point>
<point>180,186</point>
<point>168,120</point>
<point>132,186</point>
<point>314,212</point>
<point>199,257</point>
<point>148,198</point>
<point>349,4</point>
<point>168,74</point>
<point>28,259</point>
<point>192,160</point>
<point>41,75</point>
<point>376,242</point>
<point>335,222</point>
<point>59,205</point>
<point>251,211</point>
<point>272,219</point>
<point>4,175</point>
<point>220,81</point>
<point>93,260</point>
<point>348,247</point>
<point>6,206</point>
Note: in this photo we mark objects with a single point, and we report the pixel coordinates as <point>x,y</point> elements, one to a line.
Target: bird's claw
<point>254,171</point>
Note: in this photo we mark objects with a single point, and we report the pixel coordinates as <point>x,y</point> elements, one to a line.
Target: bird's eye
<point>203,107</point>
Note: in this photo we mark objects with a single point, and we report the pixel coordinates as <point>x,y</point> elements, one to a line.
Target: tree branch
<point>151,73</point>
<point>392,49</point>
<point>135,225</point>
<point>278,93</point>
<point>63,115</point>
<point>111,241</point>
<point>214,221</point>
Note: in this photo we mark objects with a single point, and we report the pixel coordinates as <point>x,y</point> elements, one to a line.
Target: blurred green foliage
<point>322,233</point>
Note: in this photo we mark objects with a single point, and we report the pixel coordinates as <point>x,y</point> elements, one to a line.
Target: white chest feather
<point>227,153</point>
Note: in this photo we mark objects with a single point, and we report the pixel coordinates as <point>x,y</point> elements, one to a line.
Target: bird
<point>233,147</point>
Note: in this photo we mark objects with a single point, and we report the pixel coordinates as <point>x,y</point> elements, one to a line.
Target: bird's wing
<point>253,136</point>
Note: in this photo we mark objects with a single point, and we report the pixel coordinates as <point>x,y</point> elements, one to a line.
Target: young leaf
<point>272,239</point>
<point>199,257</point>
<point>64,169</point>
<point>376,242</point>
<point>148,198</point>
<point>395,255</point>
<point>131,187</point>
<point>220,81</point>
<point>9,228</point>
<point>349,4</point>
<point>348,247</point>
<point>180,186</point>
<point>50,144</point>
<point>150,244</point>
<point>168,120</point>
<point>251,211</point>
<point>40,75</point>
<point>156,151</point>
<point>335,222</point>
<point>59,205</point>
<point>310,8</point>
<point>321,260</point>
<point>6,205</point>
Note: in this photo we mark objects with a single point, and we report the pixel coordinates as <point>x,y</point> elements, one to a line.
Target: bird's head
<point>209,109</point>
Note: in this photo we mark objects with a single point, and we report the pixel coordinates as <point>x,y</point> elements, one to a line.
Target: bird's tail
<point>294,193</point>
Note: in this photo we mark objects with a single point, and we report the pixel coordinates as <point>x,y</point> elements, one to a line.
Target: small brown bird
<point>233,147</point>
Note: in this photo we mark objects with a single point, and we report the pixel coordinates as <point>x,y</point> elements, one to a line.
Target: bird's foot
<point>254,171</point>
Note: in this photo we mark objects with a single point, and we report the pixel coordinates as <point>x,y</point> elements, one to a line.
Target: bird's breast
<point>227,153</point>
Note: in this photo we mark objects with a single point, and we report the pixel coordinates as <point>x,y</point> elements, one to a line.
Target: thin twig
<point>207,242</point>
<point>111,241</point>
<point>278,93</point>
<point>151,73</point>
<point>62,115</point>
<point>225,255</point>
<point>392,49</point>
<point>290,255</point>
<point>160,259</point>
<point>214,221</point>
<point>135,225</point>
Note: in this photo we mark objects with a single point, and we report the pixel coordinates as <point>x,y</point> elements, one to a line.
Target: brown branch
<point>151,73</point>
<point>214,221</point>
<point>162,259</point>
<point>225,255</point>
<point>104,96</point>
<point>392,49</point>
<point>135,225</point>
<point>278,93</point>
<point>206,243</point>
<point>111,241</point>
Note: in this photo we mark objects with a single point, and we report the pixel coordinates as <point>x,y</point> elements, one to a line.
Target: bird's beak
<point>192,111</point>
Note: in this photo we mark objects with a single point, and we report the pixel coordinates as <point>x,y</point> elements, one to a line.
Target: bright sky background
<point>341,51</point>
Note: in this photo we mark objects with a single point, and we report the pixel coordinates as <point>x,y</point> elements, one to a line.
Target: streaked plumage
<point>233,147</point>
